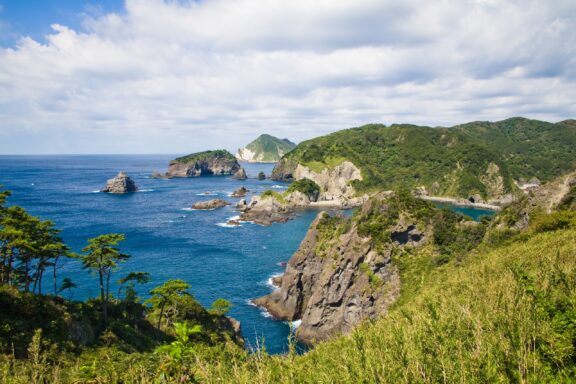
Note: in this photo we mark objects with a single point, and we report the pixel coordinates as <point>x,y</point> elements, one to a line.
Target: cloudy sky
<point>176,76</point>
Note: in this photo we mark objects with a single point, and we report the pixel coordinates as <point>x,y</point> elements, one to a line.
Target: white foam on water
<point>295,324</point>
<point>145,190</point>
<point>95,192</point>
<point>270,281</point>
<point>279,187</point>
<point>189,209</point>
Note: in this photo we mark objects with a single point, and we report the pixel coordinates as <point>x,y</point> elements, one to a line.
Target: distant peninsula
<point>216,162</point>
<point>265,149</point>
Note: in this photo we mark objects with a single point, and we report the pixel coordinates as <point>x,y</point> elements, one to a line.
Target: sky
<point>179,76</point>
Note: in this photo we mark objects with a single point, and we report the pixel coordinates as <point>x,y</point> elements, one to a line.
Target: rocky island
<point>210,204</point>
<point>120,184</point>
<point>265,149</point>
<point>217,162</point>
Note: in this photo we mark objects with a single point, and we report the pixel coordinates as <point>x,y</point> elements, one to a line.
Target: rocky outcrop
<point>240,192</point>
<point>338,278</point>
<point>265,210</point>
<point>120,184</point>
<point>240,175</point>
<point>219,162</point>
<point>261,176</point>
<point>210,204</point>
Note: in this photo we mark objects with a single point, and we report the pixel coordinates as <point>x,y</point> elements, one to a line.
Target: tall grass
<point>502,315</point>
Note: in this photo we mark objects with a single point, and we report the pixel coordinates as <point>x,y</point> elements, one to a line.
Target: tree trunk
<point>103,299</point>
<point>161,313</point>
<point>54,275</point>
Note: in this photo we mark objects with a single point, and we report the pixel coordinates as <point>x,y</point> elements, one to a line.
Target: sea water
<point>164,236</point>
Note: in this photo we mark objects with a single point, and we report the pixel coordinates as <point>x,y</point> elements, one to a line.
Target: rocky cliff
<point>219,162</point>
<point>341,274</point>
<point>265,149</point>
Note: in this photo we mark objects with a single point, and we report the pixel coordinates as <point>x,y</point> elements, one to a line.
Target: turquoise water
<point>475,213</point>
<point>163,236</point>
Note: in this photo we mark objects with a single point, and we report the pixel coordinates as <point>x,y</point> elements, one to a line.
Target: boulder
<point>261,176</point>
<point>210,204</point>
<point>120,184</point>
<point>240,192</point>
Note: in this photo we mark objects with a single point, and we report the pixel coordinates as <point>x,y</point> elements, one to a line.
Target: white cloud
<point>180,76</point>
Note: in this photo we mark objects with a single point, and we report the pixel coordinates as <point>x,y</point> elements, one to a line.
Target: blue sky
<point>177,76</point>
<point>34,17</point>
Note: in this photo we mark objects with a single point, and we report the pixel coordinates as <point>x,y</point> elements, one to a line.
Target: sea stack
<point>240,175</point>
<point>120,184</point>
<point>210,204</point>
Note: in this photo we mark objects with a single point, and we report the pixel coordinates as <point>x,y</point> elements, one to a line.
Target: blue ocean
<point>163,235</point>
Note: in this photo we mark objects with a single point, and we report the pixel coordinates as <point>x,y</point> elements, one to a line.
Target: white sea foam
<point>295,324</point>
<point>270,281</point>
<point>189,209</point>
<point>95,191</point>
<point>279,187</point>
<point>145,190</point>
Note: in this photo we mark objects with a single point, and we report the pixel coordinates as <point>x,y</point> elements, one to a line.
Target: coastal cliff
<point>218,162</point>
<point>343,271</point>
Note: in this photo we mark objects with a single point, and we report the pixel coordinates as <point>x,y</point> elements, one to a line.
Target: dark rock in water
<point>261,176</point>
<point>219,162</point>
<point>240,175</point>
<point>120,184</point>
<point>240,192</point>
<point>211,204</point>
<point>234,223</point>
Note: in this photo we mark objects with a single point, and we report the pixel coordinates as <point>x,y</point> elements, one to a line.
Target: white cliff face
<point>245,154</point>
<point>334,183</point>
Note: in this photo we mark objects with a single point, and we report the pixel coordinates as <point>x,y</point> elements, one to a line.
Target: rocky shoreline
<point>461,202</point>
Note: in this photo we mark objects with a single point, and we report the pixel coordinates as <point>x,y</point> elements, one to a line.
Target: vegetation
<point>305,186</point>
<point>471,310</point>
<point>221,154</point>
<point>270,194</point>
<point>268,148</point>
<point>459,161</point>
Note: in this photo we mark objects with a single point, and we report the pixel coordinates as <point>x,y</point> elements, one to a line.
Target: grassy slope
<point>498,314</point>
<point>269,146</point>
<point>412,155</point>
<point>501,315</point>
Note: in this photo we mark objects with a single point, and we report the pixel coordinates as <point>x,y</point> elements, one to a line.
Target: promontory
<point>216,162</point>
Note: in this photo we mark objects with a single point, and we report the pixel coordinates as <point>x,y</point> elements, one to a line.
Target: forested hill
<point>478,158</point>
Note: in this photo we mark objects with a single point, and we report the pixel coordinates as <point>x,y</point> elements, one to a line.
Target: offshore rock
<point>261,176</point>
<point>210,204</point>
<point>240,175</point>
<point>265,210</point>
<point>240,192</point>
<point>120,184</point>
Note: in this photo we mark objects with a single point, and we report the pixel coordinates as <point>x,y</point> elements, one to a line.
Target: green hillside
<point>220,154</point>
<point>477,158</point>
<point>265,148</point>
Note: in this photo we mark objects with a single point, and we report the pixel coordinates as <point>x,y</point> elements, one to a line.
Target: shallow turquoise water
<point>163,236</point>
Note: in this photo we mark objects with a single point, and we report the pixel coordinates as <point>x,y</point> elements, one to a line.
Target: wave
<point>278,187</point>
<point>270,281</point>
<point>295,324</point>
<point>226,225</point>
<point>95,192</point>
<point>146,190</point>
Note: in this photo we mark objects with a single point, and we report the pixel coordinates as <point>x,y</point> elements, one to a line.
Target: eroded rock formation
<point>120,184</point>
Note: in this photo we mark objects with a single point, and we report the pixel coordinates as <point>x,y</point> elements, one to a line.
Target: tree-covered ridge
<point>477,158</point>
<point>220,154</point>
<point>267,148</point>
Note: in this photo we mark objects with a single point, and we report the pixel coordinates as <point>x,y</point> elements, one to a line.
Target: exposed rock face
<point>240,192</point>
<point>332,284</point>
<point>120,184</point>
<point>218,162</point>
<point>265,210</point>
<point>265,149</point>
<point>210,204</point>
<point>240,174</point>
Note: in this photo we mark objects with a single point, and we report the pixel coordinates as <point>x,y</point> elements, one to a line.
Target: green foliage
<point>448,161</point>
<point>305,186</point>
<point>270,194</point>
<point>221,154</point>
<point>569,200</point>
<point>168,296</point>
<point>553,221</point>
<point>102,257</point>
<point>220,307</point>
